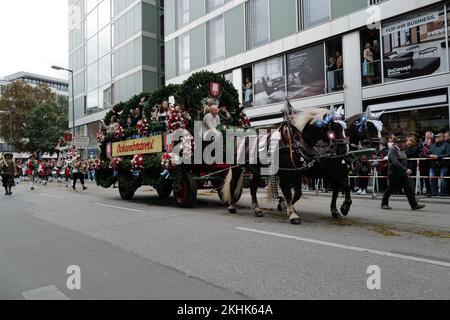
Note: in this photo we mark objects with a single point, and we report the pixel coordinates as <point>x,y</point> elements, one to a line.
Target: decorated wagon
<point>138,138</point>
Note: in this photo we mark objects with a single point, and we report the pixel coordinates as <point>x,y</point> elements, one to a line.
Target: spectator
<point>248,90</point>
<point>331,65</point>
<point>447,137</point>
<point>211,122</point>
<point>438,151</point>
<point>363,170</point>
<point>425,166</point>
<point>383,166</point>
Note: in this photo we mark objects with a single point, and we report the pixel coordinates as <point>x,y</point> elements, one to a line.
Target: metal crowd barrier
<point>319,185</point>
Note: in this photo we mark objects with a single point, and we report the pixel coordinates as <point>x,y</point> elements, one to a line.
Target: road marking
<point>345,247</point>
<point>45,293</point>
<point>119,208</point>
<point>51,196</point>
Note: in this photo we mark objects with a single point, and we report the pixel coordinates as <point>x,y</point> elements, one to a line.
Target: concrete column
<point>238,83</point>
<point>351,50</point>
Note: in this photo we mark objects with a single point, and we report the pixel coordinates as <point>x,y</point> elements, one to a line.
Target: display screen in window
<point>306,73</point>
<point>415,46</point>
<point>269,82</point>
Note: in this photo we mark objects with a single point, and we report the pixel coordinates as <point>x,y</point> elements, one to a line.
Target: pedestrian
<point>78,171</point>
<point>439,166</point>
<point>66,168</point>
<point>8,171</point>
<point>32,171</point>
<point>399,175</point>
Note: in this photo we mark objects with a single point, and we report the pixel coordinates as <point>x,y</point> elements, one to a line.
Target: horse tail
<point>226,190</point>
<point>239,185</point>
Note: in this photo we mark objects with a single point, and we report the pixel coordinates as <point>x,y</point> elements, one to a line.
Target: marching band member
<point>32,166</point>
<point>8,170</point>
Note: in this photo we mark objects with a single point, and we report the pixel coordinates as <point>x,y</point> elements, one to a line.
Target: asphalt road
<point>150,249</point>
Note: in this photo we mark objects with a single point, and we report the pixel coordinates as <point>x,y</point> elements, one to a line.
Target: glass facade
<point>115,51</point>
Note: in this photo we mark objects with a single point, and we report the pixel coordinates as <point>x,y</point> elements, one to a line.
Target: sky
<point>34,36</point>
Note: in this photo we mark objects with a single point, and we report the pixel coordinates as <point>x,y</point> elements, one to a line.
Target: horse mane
<point>350,121</point>
<point>307,116</point>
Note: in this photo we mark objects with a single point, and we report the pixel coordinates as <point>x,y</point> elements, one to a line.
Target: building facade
<point>390,55</point>
<point>115,50</point>
<point>58,86</point>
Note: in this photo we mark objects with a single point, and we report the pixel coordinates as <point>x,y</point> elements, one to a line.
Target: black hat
<point>8,154</point>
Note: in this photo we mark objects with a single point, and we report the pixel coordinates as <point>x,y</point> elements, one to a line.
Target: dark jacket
<point>398,162</point>
<point>413,153</point>
<point>442,151</point>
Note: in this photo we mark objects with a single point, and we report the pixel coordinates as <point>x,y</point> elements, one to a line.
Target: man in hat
<point>399,175</point>
<point>439,167</point>
<point>8,171</point>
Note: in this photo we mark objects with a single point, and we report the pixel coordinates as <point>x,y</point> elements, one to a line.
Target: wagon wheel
<point>186,195</point>
<point>164,190</point>
<point>219,191</point>
<point>126,193</point>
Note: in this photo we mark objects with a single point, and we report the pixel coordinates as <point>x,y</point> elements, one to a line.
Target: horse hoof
<point>345,209</point>
<point>296,222</point>
<point>259,214</point>
<point>336,214</point>
<point>232,211</point>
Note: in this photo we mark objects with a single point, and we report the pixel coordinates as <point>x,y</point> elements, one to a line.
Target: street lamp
<point>73,100</point>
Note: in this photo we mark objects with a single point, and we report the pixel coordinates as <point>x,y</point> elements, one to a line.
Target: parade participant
<point>32,166</point>
<point>18,172</point>
<point>399,175</point>
<point>66,168</point>
<point>78,171</point>
<point>211,122</point>
<point>8,171</point>
<point>44,172</point>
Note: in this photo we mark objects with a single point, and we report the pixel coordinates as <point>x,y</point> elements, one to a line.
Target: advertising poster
<point>415,46</point>
<point>306,71</point>
<point>269,82</point>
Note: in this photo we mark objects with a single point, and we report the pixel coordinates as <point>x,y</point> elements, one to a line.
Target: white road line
<point>51,196</point>
<point>119,208</point>
<point>45,293</point>
<point>345,247</point>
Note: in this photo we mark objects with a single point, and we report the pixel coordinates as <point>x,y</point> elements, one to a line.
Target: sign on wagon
<point>137,146</point>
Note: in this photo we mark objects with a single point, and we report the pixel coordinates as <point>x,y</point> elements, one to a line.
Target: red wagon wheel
<point>186,195</point>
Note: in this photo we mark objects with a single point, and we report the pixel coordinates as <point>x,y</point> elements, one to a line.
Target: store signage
<point>137,146</point>
<point>411,23</point>
<point>81,142</point>
<point>399,70</point>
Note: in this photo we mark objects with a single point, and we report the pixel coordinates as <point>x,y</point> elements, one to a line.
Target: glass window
<point>415,45</point>
<point>184,54</point>
<point>92,100</point>
<point>316,12</point>
<point>269,81</point>
<point>213,4</point>
<point>258,22</point>
<point>306,74</point>
<point>92,50</point>
<point>92,24</point>
<point>104,70</point>
<point>182,12</point>
<point>335,65</point>
<point>215,40</point>
<point>90,4</point>
<point>104,13</point>
<point>370,57</point>
<point>92,77</point>
<point>104,41</point>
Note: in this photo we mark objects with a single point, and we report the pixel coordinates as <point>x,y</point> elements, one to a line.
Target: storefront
<point>414,113</point>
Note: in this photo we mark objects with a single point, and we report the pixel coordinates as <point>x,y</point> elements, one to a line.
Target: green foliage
<point>20,98</point>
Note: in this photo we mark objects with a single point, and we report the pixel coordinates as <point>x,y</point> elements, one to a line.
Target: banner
<point>411,23</point>
<point>137,146</point>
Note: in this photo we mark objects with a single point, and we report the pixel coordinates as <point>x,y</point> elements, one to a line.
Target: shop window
<point>335,65</point>
<point>306,73</point>
<point>434,119</point>
<point>247,76</point>
<point>269,82</point>
<point>371,57</point>
<point>415,45</point>
<point>258,22</point>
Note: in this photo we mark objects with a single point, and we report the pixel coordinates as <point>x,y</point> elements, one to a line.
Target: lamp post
<point>73,100</point>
